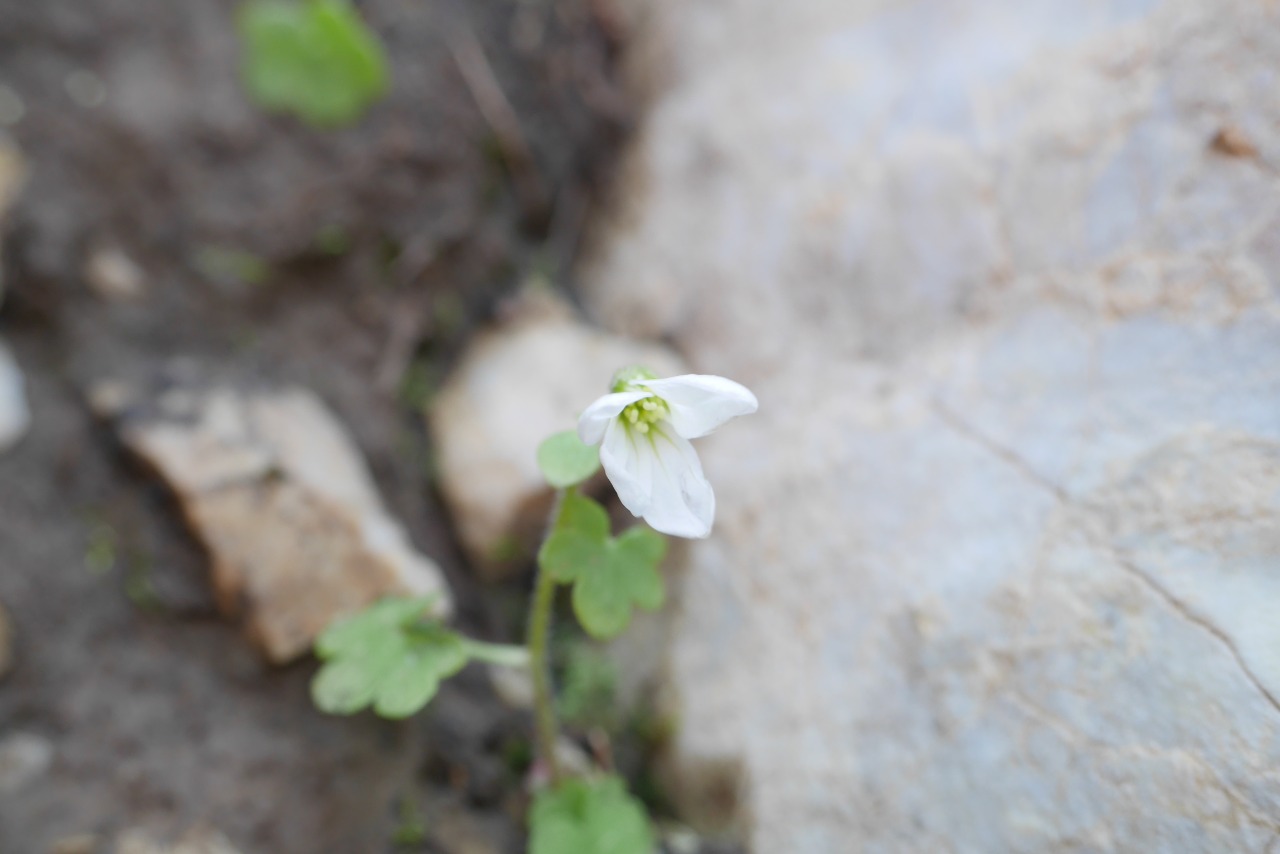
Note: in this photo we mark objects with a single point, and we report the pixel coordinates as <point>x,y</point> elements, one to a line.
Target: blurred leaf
<point>594,816</point>
<point>627,576</point>
<point>566,461</point>
<point>313,58</point>
<point>609,575</point>
<point>389,656</point>
<point>588,690</point>
<point>578,542</point>
<point>232,265</point>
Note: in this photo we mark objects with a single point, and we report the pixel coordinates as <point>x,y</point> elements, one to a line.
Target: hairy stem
<point>548,729</point>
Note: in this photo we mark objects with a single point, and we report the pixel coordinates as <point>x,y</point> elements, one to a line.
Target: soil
<point>354,262</point>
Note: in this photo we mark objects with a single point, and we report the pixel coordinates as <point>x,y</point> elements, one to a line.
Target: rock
<point>15,417</point>
<point>196,841</point>
<point>513,685</point>
<point>994,567</point>
<point>113,275</point>
<point>281,499</point>
<point>515,386</point>
<point>23,757</point>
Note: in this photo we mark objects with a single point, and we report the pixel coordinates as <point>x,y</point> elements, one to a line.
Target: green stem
<point>544,708</point>
<point>501,654</point>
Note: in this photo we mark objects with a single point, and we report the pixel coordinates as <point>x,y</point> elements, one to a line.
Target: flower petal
<point>596,417</point>
<point>628,466</point>
<point>681,501</point>
<point>701,402</point>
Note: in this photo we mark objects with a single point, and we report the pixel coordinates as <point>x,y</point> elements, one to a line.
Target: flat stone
<point>280,497</point>
<point>518,383</point>
<point>994,566</point>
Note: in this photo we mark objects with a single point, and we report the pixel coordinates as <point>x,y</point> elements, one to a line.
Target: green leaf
<point>389,656</point>
<point>566,461</point>
<point>645,548</point>
<point>579,540</point>
<point>313,58</point>
<point>352,635</point>
<point>609,575</point>
<point>431,655</point>
<point>628,575</point>
<point>589,817</point>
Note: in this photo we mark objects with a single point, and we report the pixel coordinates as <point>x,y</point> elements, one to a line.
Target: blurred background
<point>293,290</point>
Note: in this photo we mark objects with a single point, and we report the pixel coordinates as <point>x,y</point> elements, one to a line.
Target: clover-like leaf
<point>432,654</point>
<point>389,656</point>
<point>628,575</point>
<point>351,636</point>
<point>566,460</point>
<point>313,58</point>
<point>594,816</point>
<point>579,540</point>
<point>609,575</point>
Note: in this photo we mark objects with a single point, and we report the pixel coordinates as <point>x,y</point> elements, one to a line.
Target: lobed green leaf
<point>566,461</point>
<point>595,816</point>
<point>609,575</point>
<point>579,540</point>
<point>389,656</point>
<point>628,575</point>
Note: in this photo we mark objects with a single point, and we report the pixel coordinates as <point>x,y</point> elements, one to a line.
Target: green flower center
<point>644,413</point>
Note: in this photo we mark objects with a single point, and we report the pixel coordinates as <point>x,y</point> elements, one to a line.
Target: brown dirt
<point>160,713</point>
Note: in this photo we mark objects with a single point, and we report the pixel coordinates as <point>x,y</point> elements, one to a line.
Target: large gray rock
<point>997,565</point>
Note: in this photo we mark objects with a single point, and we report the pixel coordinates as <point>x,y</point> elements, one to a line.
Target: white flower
<point>643,428</point>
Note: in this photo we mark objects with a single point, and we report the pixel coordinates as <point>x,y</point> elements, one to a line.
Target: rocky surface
<point>995,564</point>
<point>518,383</point>
<point>279,496</point>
